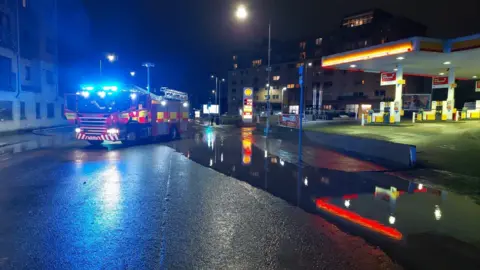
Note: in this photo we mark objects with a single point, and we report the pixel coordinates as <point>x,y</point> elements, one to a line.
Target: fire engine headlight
<point>113,131</point>
<point>78,130</point>
<point>163,102</point>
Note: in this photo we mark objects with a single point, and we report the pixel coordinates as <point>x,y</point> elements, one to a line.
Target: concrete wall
<point>394,153</point>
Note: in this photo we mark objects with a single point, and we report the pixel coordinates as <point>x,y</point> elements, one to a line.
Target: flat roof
<point>418,56</point>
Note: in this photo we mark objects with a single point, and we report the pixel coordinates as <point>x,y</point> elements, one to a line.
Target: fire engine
<point>126,113</point>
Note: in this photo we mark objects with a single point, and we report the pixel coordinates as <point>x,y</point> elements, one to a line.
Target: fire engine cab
<point>126,113</point>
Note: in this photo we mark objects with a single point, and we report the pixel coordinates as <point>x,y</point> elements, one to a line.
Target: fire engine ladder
<point>174,94</point>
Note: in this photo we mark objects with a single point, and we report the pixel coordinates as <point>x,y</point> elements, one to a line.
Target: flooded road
<point>417,225</point>
<point>73,206</point>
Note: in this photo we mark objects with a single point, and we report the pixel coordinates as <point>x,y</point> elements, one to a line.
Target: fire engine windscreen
<point>101,103</point>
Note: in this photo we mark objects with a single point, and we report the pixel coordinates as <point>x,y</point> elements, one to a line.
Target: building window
<point>22,111</point>
<point>318,41</point>
<point>234,82</point>
<point>49,77</point>
<point>6,111</point>
<point>303,55</point>
<point>328,72</point>
<point>291,66</point>
<point>291,86</point>
<point>50,46</point>
<point>379,93</point>
<point>38,114</point>
<point>303,45</point>
<point>256,63</point>
<point>24,3</point>
<point>27,73</point>
<point>50,110</point>
<point>277,68</point>
<point>234,58</point>
<point>275,96</point>
<point>5,74</point>
<point>276,78</point>
<point>327,84</point>
<point>234,98</point>
<point>299,65</point>
<point>358,94</point>
<point>241,72</point>
<point>234,90</point>
<point>235,66</point>
<point>358,82</point>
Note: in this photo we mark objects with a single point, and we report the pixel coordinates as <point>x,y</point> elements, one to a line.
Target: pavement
<point>223,198</point>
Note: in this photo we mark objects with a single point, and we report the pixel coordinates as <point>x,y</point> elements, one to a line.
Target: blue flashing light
<point>85,94</point>
<point>88,88</point>
<point>102,94</point>
<point>110,88</point>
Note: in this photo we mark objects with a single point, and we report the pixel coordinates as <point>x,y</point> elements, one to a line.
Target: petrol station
<point>445,61</point>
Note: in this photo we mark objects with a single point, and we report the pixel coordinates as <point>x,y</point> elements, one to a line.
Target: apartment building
<point>334,89</point>
<point>29,94</point>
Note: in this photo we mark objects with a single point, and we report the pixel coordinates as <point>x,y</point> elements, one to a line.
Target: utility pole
<point>148,65</point>
<point>269,69</point>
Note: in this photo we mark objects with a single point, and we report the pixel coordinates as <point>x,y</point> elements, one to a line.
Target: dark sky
<point>190,39</point>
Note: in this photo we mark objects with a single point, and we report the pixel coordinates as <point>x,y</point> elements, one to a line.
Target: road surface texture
<point>222,198</point>
<point>150,207</point>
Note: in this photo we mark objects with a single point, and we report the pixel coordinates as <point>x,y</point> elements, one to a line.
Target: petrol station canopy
<point>418,56</point>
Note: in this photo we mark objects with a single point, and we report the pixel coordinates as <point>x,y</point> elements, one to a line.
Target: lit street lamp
<point>111,58</point>
<point>241,14</point>
<point>148,65</point>
<point>132,73</point>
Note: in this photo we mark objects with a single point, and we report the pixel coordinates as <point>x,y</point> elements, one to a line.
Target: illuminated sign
<point>388,78</point>
<point>247,114</point>
<point>368,54</point>
<point>212,109</point>
<point>247,92</point>
<point>440,82</point>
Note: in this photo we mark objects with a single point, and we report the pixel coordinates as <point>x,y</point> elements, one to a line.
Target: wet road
<point>148,207</point>
<point>223,198</point>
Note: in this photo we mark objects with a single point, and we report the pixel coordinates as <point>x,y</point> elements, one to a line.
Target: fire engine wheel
<point>96,143</point>
<point>173,133</point>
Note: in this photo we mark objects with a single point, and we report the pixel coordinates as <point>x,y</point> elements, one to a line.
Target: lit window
<point>303,55</point>
<point>256,63</point>
<point>363,81</point>
<point>291,86</point>
<point>318,41</point>
<point>24,3</point>
<point>276,78</point>
<point>303,44</point>
<point>234,58</point>
<point>235,66</point>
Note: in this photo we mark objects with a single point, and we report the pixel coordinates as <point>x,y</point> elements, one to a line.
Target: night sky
<point>190,39</point>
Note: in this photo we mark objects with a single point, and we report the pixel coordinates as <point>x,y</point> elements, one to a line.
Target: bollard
<point>413,118</point>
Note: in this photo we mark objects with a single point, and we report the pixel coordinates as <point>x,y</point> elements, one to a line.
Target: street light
<point>242,14</point>
<point>111,58</point>
<point>148,65</point>
<point>132,73</point>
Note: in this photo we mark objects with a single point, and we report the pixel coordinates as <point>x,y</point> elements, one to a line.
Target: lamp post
<point>110,57</point>
<point>242,14</point>
<point>148,65</point>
